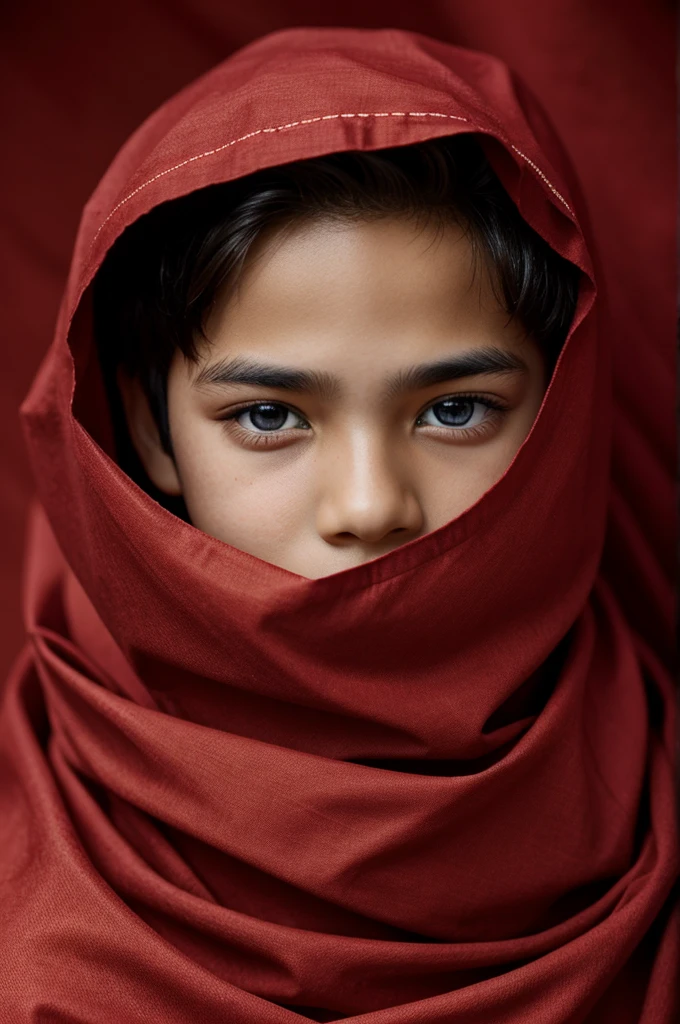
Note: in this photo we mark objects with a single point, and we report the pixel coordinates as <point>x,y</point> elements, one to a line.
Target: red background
<point>77,77</point>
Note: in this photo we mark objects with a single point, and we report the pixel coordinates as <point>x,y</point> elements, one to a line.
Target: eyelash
<point>254,439</point>
<point>496,409</point>
<point>267,439</point>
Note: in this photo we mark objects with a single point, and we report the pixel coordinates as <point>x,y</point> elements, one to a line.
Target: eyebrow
<point>475,363</point>
<point>249,372</point>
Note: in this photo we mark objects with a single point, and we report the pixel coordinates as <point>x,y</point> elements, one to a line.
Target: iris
<point>454,412</point>
<point>268,417</point>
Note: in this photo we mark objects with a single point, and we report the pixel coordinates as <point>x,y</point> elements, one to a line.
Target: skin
<point>362,458</point>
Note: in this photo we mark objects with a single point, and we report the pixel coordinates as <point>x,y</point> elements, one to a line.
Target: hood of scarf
<point>420,789</point>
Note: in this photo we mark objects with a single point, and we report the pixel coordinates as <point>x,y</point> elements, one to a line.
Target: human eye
<point>265,417</point>
<point>462,415</point>
<point>264,423</point>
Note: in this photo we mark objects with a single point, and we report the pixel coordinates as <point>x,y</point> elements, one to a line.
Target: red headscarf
<point>435,787</point>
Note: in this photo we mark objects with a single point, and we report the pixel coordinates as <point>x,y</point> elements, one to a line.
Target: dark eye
<point>267,416</point>
<point>454,412</point>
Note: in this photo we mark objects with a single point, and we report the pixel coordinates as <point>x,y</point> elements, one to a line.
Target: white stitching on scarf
<point>541,175</point>
<point>296,124</point>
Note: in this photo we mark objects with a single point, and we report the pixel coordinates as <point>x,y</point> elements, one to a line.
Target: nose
<point>367,498</point>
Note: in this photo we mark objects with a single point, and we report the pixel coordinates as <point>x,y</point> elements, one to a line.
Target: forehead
<point>394,278</point>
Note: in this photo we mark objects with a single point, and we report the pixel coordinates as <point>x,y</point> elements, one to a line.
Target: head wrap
<point>434,787</point>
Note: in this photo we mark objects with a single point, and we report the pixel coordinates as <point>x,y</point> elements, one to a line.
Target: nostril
<point>347,536</point>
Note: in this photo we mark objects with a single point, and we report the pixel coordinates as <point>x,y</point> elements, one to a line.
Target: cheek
<point>254,501</point>
<point>463,480</point>
<point>457,478</point>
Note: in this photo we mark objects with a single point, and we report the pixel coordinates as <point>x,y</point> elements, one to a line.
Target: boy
<point>327,711</point>
<point>356,344</point>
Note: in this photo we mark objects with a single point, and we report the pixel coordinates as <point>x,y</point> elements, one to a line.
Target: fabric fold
<point>436,786</point>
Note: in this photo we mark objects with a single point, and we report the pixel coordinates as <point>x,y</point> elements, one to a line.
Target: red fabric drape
<point>206,818</point>
<point>76,79</point>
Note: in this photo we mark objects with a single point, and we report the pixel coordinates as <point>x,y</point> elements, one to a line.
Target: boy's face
<point>361,387</point>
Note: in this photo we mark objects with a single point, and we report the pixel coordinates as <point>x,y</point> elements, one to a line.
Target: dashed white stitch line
<point>296,124</point>
<point>541,175</point>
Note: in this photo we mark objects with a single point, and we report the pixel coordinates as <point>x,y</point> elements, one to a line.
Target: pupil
<point>454,412</point>
<point>268,417</point>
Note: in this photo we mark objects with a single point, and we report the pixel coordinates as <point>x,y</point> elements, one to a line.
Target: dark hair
<point>156,286</point>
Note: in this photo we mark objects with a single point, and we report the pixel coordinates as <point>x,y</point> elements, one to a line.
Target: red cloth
<point>77,77</point>
<point>191,837</point>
